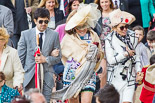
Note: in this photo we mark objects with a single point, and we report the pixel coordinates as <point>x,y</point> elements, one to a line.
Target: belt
<point>149,88</point>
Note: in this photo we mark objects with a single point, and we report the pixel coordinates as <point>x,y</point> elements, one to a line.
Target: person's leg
<point>47,92</point>
<point>74,100</point>
<point>86,97</point>
<point>130,91</point>
<point>15,38</point>
<point>103,75</point>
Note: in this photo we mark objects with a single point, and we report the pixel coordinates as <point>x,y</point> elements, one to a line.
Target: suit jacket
<point>124,5</point>
<point>59,17</point>
<point>9,4</point>
<point>88,1</point>
<point>6,19</point>
<point>27,47</point>
<point>12,68</point>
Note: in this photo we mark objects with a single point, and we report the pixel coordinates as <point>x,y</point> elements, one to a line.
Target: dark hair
<point>42,13</point>
<point>2,76</point>
<point>20,99</point>
<point>69,7</point>
<point>138,27</point>
<point>151,35</point>
<point>108,94</point>
<point>99,6</point>
<point>152,59</point>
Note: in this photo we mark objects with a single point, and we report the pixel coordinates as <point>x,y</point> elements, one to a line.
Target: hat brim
<point>79,18</point>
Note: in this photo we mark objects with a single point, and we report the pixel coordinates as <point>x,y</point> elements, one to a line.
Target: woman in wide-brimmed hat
<point>122,61</point>
<point>81,55</point>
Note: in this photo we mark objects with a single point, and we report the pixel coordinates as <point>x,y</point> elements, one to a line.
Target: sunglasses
<point>124,27</point>
<point>45,21</point>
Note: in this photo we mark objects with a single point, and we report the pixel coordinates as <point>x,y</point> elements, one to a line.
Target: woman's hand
<point>139,76</point>
<point>55,52</point>
<point>20,88</point>
<point>129,52</point>
<point>28,10</point>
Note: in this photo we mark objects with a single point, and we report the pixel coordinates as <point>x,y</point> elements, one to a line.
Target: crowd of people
<point>77,51</point>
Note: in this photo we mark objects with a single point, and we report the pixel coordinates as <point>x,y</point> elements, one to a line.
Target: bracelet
<point>139,82</point>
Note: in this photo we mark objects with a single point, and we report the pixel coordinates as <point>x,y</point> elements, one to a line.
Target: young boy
<point>148,79</point>
<point>151,41</point>
<point>141,48</point>
<point>108,94</point>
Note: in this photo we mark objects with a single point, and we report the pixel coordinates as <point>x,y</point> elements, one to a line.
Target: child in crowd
<point>108,94</point>
<point>7,93</point>
<point>141,48</point>
<point>148,79</point>
<point>150,42</point>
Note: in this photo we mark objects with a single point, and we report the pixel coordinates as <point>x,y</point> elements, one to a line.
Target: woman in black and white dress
<point>122,61</point>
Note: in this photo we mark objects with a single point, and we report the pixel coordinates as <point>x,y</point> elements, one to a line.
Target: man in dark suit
<point>122,4</point>
<point>49,41</point>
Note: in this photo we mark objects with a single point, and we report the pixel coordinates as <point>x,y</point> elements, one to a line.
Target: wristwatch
<point>46,59</point>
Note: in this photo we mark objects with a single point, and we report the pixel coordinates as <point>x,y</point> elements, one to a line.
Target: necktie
<point>40,40</point>
<point>65,6</point>
<point>116,6</point>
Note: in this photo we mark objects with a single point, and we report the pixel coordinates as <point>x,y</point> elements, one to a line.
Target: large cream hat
<point>87,16</point>
<point>150,74</point>
<point>117,16</point>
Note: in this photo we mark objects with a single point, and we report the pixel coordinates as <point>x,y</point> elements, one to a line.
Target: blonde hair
<point>43,2</point>
<point>4,34</point>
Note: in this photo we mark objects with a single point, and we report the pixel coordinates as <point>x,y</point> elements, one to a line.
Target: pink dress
<point>61,30</point>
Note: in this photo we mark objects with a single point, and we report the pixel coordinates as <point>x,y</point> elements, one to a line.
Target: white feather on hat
<point>87,15</point>
<point>117,16</point>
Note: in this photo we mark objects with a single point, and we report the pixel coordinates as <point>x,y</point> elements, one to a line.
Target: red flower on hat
<point>126,20</point>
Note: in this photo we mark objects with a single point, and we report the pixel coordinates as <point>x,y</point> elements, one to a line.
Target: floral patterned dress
<point>106,29</point>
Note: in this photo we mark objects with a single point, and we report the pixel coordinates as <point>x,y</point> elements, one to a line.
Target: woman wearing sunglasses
<point>122,61</point>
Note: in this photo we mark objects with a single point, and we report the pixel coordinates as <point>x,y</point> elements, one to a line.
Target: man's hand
<point>130,52</point>
<point>40,59</point>
<point>28,10</point>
